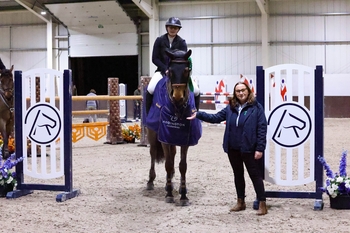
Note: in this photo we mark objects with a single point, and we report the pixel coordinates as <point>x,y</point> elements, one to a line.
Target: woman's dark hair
<point>234,100</point>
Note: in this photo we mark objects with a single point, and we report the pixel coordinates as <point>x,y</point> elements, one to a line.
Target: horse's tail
<point>159,156</point>
<point>156,149</point>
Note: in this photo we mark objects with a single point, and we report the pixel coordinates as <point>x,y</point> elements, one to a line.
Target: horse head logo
<point>220,86</point>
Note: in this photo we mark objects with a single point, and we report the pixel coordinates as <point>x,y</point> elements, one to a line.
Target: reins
<point>184,105</point>
<point>7,104</point>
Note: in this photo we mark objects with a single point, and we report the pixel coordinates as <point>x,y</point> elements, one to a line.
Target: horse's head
<point>179,74</point>
<point>6,83</point>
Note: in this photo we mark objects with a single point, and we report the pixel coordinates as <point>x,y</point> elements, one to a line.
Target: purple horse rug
<point>170,122</point>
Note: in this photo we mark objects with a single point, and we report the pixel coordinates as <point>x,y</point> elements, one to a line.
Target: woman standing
<point>244,141</point>
<point>92,105</point>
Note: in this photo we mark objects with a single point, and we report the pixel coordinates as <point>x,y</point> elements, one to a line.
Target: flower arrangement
<point>8,177</point>
<point>336,183</point>
<point>11,144</point>
<point>131,132</point>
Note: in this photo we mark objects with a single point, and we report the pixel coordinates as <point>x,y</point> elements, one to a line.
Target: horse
<point>167,126</point>
<point>6,108</point>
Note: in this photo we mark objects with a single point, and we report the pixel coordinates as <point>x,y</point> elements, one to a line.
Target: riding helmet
<point>173,21</point>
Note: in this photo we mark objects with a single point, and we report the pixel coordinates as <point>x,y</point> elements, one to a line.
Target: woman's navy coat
<point>254,130</point>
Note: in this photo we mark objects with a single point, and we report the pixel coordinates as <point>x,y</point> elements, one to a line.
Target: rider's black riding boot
<point>149,100</point>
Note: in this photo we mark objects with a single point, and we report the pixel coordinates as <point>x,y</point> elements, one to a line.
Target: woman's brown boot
<point>239,206</point>
<point>262,208</point>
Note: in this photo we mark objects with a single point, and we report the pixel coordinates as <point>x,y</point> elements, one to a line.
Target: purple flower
<point>347,190</point>
<point>4,173</point>
<point>9,177</point>
<point>342,188</point>
<point>329,172</point>
<point>342,165</point>
<point>336,183</point>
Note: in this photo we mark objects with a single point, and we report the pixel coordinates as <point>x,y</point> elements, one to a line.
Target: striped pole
<point>216,93</point>
<point>214,102</point>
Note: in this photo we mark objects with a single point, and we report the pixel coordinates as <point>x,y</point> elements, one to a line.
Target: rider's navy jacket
<point>2,66</point>
<point>159,57</point>
<point>253,137</point>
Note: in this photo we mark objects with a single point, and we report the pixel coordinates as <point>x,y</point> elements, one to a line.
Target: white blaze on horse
<point>167,124</point>
<point>6,108</point>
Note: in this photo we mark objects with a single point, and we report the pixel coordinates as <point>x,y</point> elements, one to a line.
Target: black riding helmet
<point>173,21</point>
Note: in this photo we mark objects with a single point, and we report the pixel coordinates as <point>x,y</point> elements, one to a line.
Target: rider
<point>169,41</point>
<point>2,66</point>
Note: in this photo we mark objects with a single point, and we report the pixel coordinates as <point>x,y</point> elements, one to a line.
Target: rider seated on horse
<point>169,41</point>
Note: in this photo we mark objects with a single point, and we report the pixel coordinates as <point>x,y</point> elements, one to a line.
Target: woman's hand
<point>192,117</point>
<point>258,155</point>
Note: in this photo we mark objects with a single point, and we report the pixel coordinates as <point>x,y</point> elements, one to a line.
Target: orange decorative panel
<point>93,130</point>
<point>77,132</point>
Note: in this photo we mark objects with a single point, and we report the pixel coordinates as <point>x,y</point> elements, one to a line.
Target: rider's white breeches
<point>158,76</point>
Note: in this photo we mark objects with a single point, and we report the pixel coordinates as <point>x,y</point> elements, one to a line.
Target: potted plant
<point>131,132</point>
<point>8,179</point>
<point>337,185</point>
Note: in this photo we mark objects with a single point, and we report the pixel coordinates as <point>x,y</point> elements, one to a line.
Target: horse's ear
<point>188,54</point>
<point>170,55</point>
<point>11,69</point>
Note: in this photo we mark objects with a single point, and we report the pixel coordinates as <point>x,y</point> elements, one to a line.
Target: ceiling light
<point>43,12</point>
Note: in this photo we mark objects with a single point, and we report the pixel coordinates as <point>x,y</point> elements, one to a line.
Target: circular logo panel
<point>43,123</point>
<point>289,125</point>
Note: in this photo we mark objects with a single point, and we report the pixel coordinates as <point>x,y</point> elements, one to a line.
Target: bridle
<point>179,61</point>
<point>4,93</point>
<point>179,107</point>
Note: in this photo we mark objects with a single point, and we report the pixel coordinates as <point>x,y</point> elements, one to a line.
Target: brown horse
<point>167,124</point>
<point>6,108</point>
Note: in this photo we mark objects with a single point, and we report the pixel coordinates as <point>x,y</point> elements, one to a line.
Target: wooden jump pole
<point>86,112</point>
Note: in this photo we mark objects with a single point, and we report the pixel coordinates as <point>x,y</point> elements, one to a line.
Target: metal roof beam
<point>145,6</point>
<point>34,9</point>
<point>262,4</point>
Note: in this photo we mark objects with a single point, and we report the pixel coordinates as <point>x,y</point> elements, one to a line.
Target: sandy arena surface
<point>112,180</point>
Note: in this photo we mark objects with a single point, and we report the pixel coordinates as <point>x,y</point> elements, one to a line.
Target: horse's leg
<point>5,150</point>
<point>183,169</point>
<point>157,155</point>
<point>152,174</point>
<point>3,131</point>
<point>172,173</point>
<point>169,152</point>
<point>9,131</point>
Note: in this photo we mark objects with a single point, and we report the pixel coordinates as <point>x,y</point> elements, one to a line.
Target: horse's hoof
<point>169,199</point>
<point>184,202</point>
<point>150,186</point>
